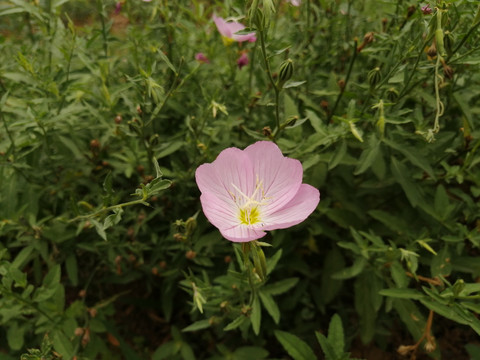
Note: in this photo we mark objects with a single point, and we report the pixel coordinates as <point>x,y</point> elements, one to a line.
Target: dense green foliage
<point>105,114</point>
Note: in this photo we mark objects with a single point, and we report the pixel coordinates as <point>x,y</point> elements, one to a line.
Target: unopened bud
<point>374,76</point>
<point>392,94</point>
<point>368,38</point>
<point>411,10</point>
<point>94,145</point>
<point>190,225</point>
<point>291,121</point>
<point>324,105</point>
<point>267,131</point>
<point>448,72</point>
<point>285,73</point>
<point>341,84</point>
<point>118,119</point>
<point>190,254</point>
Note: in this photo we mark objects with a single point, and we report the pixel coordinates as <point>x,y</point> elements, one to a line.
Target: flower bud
<point>432,50</point>
<point>285,73</point>
<point>374,76</point>
<point>267,131</point>
<point>392,94</point>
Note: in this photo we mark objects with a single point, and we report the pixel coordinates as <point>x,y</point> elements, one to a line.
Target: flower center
<point>248,206</point>
<point>249,216</point>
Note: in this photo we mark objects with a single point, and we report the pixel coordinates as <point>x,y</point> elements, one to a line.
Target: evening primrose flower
<point>247,192</point>
<point>228,30</point>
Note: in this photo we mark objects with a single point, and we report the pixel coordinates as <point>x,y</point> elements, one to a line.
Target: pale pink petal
<point>296,211</point>
<point>242,233</point>
<point>231,170</point>
<point>222,214</point>
<point>223,27</point>
<point>281,177</point>
<point>228,30</point>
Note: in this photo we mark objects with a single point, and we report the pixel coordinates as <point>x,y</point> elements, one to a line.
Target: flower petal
<point>281,177</point>
<point>222,26</point>
<point>242,233</point>
<point>297,210</point>
<point>220,213</point>
<point>230,171</point>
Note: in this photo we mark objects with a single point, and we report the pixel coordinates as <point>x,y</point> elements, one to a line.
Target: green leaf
<point>235,323</point>
<point>256,315</point>
<point>62,344</point>
<point>295,347</point>
<point>166,60</point>
<point>53,277</point>
<point>339,155</point>
<point>272,262</point>
<point>250,353</point>
<point>336,336</point>
<point>71,267</point>
<point>113,219</point>
<point>441,264</point>
<point>197,325</point>
<point>166,351</point>
<point>403,293</point>
<point>270,305</point>
<point>281,286</point>
<point>23,257</point>
<point>402,175</point>
<point>413,155</point>
<point>368,155</point>
<point>15,336</point>
<point>352,271</point>
<point>327,348</point>
<point>157,185</point>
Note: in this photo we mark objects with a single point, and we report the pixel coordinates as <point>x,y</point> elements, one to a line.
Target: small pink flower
<point>118,7</point>
<point>247,192</point>
<point>228,30</point>
<point>426,10</point>
<point>295,2</point>
<point>242,60</point>
<point>201,58</point>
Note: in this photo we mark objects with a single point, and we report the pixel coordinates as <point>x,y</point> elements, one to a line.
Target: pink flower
<point>426,10</point>
<point>242,60</point>
<point>228,30</point>
<point>295,2</point>
<point>201,58</point>
<point>118,7</point>
<point>245,193</point>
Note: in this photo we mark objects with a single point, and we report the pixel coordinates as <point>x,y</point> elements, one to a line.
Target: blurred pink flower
<point>295,2</point>
<point>201,58</point>
<point>426,10</point>
<point>242,60</point>
<point>247,192</point>
<point>118,7</point>
<point>228,30</point>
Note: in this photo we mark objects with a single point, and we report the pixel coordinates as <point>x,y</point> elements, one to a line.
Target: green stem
<point>101,12</point>
<point>109,208</point>
<point>342,90</point>
<point>272,81</point>
<point>460,44</point>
